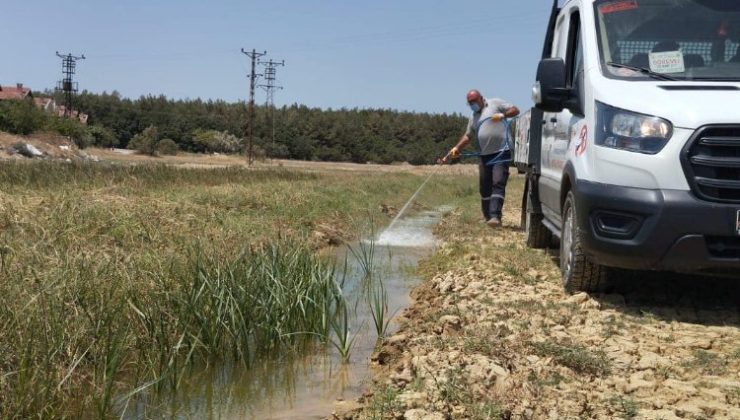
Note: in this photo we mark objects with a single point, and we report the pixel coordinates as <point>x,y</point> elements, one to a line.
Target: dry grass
<point>194,160</point>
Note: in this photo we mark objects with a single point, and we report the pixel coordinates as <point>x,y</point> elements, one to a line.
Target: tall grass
<point>378,301</point>
<point>343,339</point>
<point>373,290</point>
<point>202,308</point>
<point>119,279</point>
<point>21,175</point>
<point>364,254</point>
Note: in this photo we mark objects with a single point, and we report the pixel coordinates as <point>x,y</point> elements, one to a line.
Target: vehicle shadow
<point>705,300</point>
<point>674,297</point>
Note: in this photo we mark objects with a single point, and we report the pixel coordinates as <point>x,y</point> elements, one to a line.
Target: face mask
<point>475,107</point>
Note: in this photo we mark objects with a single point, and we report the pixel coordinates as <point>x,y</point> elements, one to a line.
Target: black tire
<point>538,236</point>
<point>579,273</point>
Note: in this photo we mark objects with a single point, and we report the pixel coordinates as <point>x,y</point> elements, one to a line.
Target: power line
<point>270,87</point>
<point>468,26</point>
<point>67,85</point>
<point>249,128</point>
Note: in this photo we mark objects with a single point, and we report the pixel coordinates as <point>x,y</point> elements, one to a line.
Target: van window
<point>560,37</point>
<point>683,39</point>
<point>574,63</point>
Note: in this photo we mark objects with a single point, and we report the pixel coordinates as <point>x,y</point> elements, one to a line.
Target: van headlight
<point>627,130</point>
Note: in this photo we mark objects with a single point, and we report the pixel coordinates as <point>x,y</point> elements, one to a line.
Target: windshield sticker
<point>618,6</point>
<point>667,62</point>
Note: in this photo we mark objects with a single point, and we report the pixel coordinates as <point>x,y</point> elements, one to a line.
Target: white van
<point>632,151</point>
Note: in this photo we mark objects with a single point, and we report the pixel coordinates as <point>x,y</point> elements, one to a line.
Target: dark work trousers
<point>493,178</point>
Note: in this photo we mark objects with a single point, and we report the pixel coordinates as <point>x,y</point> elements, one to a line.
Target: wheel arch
<point>567,183</point>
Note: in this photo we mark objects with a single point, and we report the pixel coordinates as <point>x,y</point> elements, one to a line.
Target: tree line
<point>298,131</point>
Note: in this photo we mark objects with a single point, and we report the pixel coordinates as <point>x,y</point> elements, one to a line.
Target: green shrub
<point>71,128</point>
<point>21,117</point>
<point>167,147</point>
<point>102,137</point>
<point>146,141</point>
<point>213,141</point>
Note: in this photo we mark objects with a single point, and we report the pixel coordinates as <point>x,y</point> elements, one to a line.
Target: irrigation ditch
<point>374,277</point>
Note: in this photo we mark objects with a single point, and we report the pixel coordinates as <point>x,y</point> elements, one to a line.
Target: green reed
<point>378,302</point>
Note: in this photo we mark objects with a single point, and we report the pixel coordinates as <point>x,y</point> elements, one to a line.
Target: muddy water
<point>308,386</point>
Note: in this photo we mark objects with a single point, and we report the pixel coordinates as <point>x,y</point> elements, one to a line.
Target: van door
<point>558,126</point>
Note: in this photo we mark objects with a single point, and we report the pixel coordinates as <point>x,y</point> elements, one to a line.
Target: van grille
<point>711,161</point>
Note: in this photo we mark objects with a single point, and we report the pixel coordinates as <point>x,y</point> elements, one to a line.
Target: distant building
<point>81,116</point>
<point>46,104</point>
<point>15,93</point>
<point>20,92</point>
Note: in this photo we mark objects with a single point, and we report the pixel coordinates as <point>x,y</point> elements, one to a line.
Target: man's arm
<point>511,112</point>
<point>505,110</point>
<point>464,141</point>
<point>455,151</point>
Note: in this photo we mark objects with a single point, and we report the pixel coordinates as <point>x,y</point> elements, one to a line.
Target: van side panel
<point>555,134</point>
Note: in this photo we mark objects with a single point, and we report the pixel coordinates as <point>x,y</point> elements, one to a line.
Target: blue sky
<point>405,54</point>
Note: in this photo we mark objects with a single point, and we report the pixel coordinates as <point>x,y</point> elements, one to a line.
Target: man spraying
<point>486,126</point>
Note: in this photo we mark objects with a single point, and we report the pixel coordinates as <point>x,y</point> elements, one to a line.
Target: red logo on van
<point>618,6</point>
<point>582,141</point>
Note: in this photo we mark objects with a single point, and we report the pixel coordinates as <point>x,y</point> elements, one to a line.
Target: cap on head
<point>473,96</point>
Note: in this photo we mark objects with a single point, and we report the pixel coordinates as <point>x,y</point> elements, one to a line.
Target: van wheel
<point>538,236</point>
<point>579,274</point>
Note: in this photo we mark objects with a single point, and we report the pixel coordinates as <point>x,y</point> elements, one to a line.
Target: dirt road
<point>492,335</point>
<point>59,148</point>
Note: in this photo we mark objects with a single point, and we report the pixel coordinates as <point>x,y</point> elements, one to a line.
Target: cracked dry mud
<point>491,334</point>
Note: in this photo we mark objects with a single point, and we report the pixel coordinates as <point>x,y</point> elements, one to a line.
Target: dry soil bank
<point>492,335</point>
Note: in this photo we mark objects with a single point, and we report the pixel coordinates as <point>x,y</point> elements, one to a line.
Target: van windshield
<point>669,39</point>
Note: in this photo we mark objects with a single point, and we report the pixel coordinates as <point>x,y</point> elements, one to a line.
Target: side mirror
<point>550,93</point>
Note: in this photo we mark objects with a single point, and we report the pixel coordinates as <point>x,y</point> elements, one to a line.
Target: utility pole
<point>67,85</point>
<point>270,87</point>
<point>254,55</point>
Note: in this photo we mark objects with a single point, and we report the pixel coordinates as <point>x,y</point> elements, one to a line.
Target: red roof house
<point>16,92</point>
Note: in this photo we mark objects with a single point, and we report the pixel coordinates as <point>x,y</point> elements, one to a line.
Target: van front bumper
<point>649,229</point>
